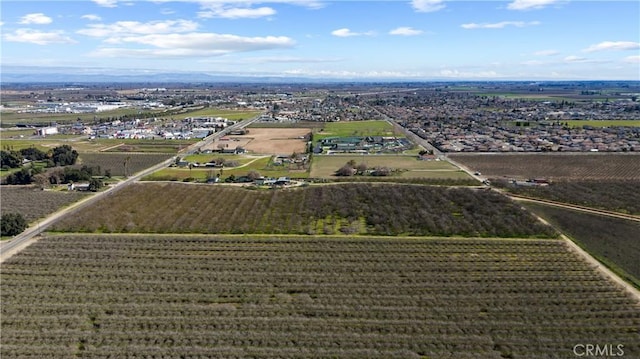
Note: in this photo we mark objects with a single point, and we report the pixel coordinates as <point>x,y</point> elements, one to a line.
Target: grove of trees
<point>12,224</point>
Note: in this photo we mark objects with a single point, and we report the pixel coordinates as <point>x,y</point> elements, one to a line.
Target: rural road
<point>28,236</point>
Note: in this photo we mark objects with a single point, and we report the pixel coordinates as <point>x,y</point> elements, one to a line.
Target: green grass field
<point>247,164</point>
<point>15,134</point>
<point>226,113</point>
<point>324,166</point>
<point>41,144</point>
<point>603,123</point>
<point>12,118</point>
<point>356,128</point>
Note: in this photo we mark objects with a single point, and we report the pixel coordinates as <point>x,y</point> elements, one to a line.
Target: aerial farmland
<point>311,226</point>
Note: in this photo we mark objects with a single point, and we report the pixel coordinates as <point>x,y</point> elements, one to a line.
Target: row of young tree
<point>159,296</point>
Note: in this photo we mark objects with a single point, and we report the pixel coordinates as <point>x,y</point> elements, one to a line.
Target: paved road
<point>22,240</point>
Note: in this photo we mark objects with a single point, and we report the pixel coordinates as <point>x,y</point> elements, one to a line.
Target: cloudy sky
<point>394,39</point>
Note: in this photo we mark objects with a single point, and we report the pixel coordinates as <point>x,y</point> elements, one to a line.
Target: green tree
<point>95,184</point>
<point>12,224</point>
<point>33,154</point>
<point>24,176</point>
<point>10,159</point>
<point>64,155</point>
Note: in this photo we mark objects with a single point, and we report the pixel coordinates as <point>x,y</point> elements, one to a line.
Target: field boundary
<point>576,207</point>
<point>573,246</point>
<point>595,263</point>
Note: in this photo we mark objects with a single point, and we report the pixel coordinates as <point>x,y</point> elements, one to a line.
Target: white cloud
<point>286,59</point>
<point>582,60</point>
<point>91,17</point>
<point>237,13</point>
<point>38,37</point>
<point>241,9</point>
<point>533,63</point>
<point>345,32</point>
<point>194,44</point>
<point>613,45</point>
<point>428,5</point>
<point>632,59</point>
<point>405,31</point>
<point>106,3</point>
<point>499,25</point>
<point>530,4</point>
<point>36,18</point>
<point>468,74</point>
<point>138,28</point>
<point>546,53</point>
<point>574,58</point>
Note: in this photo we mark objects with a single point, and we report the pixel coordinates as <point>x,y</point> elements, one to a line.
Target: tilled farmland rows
<point>34,203</point>
<point>115,162</point>
<point>201,297</point>
<point>556,167</point>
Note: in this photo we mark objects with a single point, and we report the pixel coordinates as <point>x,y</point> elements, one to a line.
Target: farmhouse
<point>45,131</point>
<point>84,187</point>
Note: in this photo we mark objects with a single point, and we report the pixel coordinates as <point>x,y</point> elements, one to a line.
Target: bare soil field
<point>272,141</point>
<point>583,166</point>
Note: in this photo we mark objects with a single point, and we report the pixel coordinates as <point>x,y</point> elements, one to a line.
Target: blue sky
<point>405,40</point>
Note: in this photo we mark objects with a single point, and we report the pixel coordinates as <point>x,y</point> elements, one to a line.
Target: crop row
<point>383,209</point>
<point>99,296</point>
<point>34,203</point>
<point>566,167</point>
<point>621,195</point>
<point>117,163</point>
<point>614,241</point>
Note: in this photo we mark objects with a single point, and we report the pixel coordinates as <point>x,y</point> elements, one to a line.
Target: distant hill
<point>24,74</point>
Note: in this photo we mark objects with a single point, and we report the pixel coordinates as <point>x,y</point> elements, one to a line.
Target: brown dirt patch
<point>272,141</point>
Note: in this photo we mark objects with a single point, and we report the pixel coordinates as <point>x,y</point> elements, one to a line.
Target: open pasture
<point>10,119</point>
<point>44,144</point>
<point>98,296</point>
<point>354,128</point>
<point>246,163</point>
<point>325,166</point>
<point>350,209</point>
<point>16,133</point>
<point>574,166</point>
<point>602,123</point>
<point>233,115</point>
<point>262,165</point>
